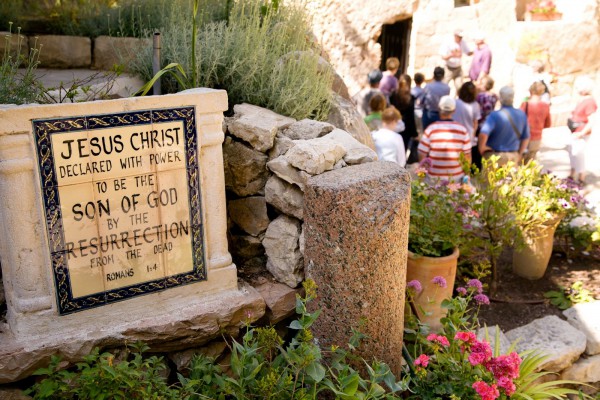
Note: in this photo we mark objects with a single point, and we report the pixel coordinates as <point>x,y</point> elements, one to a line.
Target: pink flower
<point>481,352</point>
<point>505,366</point>
<point>476,284</point>
<point>507,385</point>
<point>461,290</point>
<point>415,285</point>
<point>443,340</point>
<point>422,360</point>
<point>466,337</point>
<point>482,299</point>
<point>487,392</point>
<point>440,281</point>
<point>453,187</point>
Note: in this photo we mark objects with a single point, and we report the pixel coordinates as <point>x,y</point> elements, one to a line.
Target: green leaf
<point>316,371</point>
<point>296,325</point>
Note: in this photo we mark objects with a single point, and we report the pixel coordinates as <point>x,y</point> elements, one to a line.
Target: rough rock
<point>345,116</point>
<point>356,152</point>
<point>584,370</point>
<point>13,42</point>
<point>284,196</point>
<point>250,214</point>
<point>110,51</point>
<point>301,241</point>
<point>13,394</point>
<point>338,86</point>
<point>282,248</point>
<point>256,125</point>
<point>356,233</point>
<point>280,300</point>
<point>197,324</point>
<point>245,168</point>
<point>307,129</point>
<point>182,359</point>
<point>551,336</point>
<point>504,343</point>
<point>245,247</point>
<point>586,318</point>
<point>63,51</point>
<point>315,156</point>
<point>283,169</point>
<point>281,146</point>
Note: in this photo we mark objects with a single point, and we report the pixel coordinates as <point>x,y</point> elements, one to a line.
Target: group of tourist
<point>410,123</point>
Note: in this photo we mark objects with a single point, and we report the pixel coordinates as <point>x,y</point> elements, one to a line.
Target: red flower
<point>422,360</point>
<point>432,337</point>
<point>466,337</point>
<point>487,392</point>
<point>481,352</point>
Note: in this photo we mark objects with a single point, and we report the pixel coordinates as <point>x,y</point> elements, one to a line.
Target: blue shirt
<point>501,135</point>
<point>432,94</point>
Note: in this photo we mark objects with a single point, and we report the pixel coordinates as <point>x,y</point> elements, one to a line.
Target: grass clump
<point>261,55</point>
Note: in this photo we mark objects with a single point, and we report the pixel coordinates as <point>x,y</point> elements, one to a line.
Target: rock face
<point>245,168</point>
<point>344,115</point>
<point>182,359</point>
<point>256,126</point>
<point>250,214</point>
<point>356,234</point>
<point>245,247</point>
<point>552,336</point>
<point>307,129</point>
<point>285,197</point>
<point>281,146</point>
<point>280,300</point>
<point>356,152</point>
<point>585,370</point>
<point>283,169</point>
<point>64,51</point>
<point>282,247</point>
<point>109,51</point>
<point>315,156</point>
<point>586,318</point>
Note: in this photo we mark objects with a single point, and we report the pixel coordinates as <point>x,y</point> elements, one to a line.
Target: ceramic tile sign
<point>122,203</point>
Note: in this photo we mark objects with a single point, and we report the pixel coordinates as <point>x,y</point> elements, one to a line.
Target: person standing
<point>404,102</point>
<point>486,98</point>
<point>362,98</point>
<point>482,59</point>
<point>452,55</point>
<point>538,117</point>
<point>388,143</point>
<point>505,132</point>
<point>418,92</point>
<point>580,124</point>
<point>389,82</point>
<point>432,94</point>
<point>443,142</point>
<point>468,114</point>
<point>377,105</point>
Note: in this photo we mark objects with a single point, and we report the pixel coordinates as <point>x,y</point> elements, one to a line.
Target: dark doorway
<point>395,41</point>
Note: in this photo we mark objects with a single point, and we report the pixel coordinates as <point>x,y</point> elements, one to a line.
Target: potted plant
<point>542,10</point>
<point>440,214</point>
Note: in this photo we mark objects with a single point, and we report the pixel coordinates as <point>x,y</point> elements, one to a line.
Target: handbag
<point>573,125</point>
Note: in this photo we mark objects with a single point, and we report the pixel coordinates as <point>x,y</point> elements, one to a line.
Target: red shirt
<point>443,141</point>
<point>538,117</point>
<point>583,110</point>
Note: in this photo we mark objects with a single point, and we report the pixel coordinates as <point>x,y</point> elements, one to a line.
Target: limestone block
<point>285,197</point>
<point>283,169</point>
<point>301,241</point>
<point>586,318</point>
<point>281,146</point>
<point>245,171</point>
<point>246,247</point>
<point>64,51</point>
<point>281,245</point>
<point>250,214</point>
<point>584,370</point>
<point>182,359</point>
<point>307,129</point>
<point>280,300</point>
<point>110,51</point>
<point>340,164</point>
<point>503,341</point>
<point>356,233</point>
<point>315,156</point>
<point>345,116</point>
<point>256,126</point>
<point>551,336</point>
<point>13,42</point>
<point>356,152</point>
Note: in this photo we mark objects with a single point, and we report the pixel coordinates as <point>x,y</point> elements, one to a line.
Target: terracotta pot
<point>531,262</point>
<point>429,301</point>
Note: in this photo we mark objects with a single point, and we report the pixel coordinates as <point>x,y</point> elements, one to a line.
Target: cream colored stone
<point>250,214</point>
<point>584,370</point>
<point>345,116</point>
<point>283,169</point>
<point>245,168</point>
<point>356,152</point>
<point>280,300</point>
<point>280,147</point>
<point>110,51</point>
<point>585,317</point>
<point>307,129</point>
<point>315,156</point>
<point>281,245</point>
<point>63,51</point>
<point>285,197</point>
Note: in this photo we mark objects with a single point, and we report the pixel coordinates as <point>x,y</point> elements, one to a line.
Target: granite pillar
<point>356,232</point>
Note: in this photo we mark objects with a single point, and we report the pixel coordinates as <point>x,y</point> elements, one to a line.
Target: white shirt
<point>450,47</point>
<point>389,146</point>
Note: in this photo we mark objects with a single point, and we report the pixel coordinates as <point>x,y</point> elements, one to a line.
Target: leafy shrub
<point>261,55</point>
<point>18,83</point>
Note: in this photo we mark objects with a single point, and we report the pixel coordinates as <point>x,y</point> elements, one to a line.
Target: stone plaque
<point>122,203</point>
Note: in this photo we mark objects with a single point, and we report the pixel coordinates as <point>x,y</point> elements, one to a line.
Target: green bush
<point>261,56</point>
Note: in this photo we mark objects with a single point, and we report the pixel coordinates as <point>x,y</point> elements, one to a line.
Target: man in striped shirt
<point>443,141</point>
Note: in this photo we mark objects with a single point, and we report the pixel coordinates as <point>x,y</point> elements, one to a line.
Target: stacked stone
<point>268,159</point>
